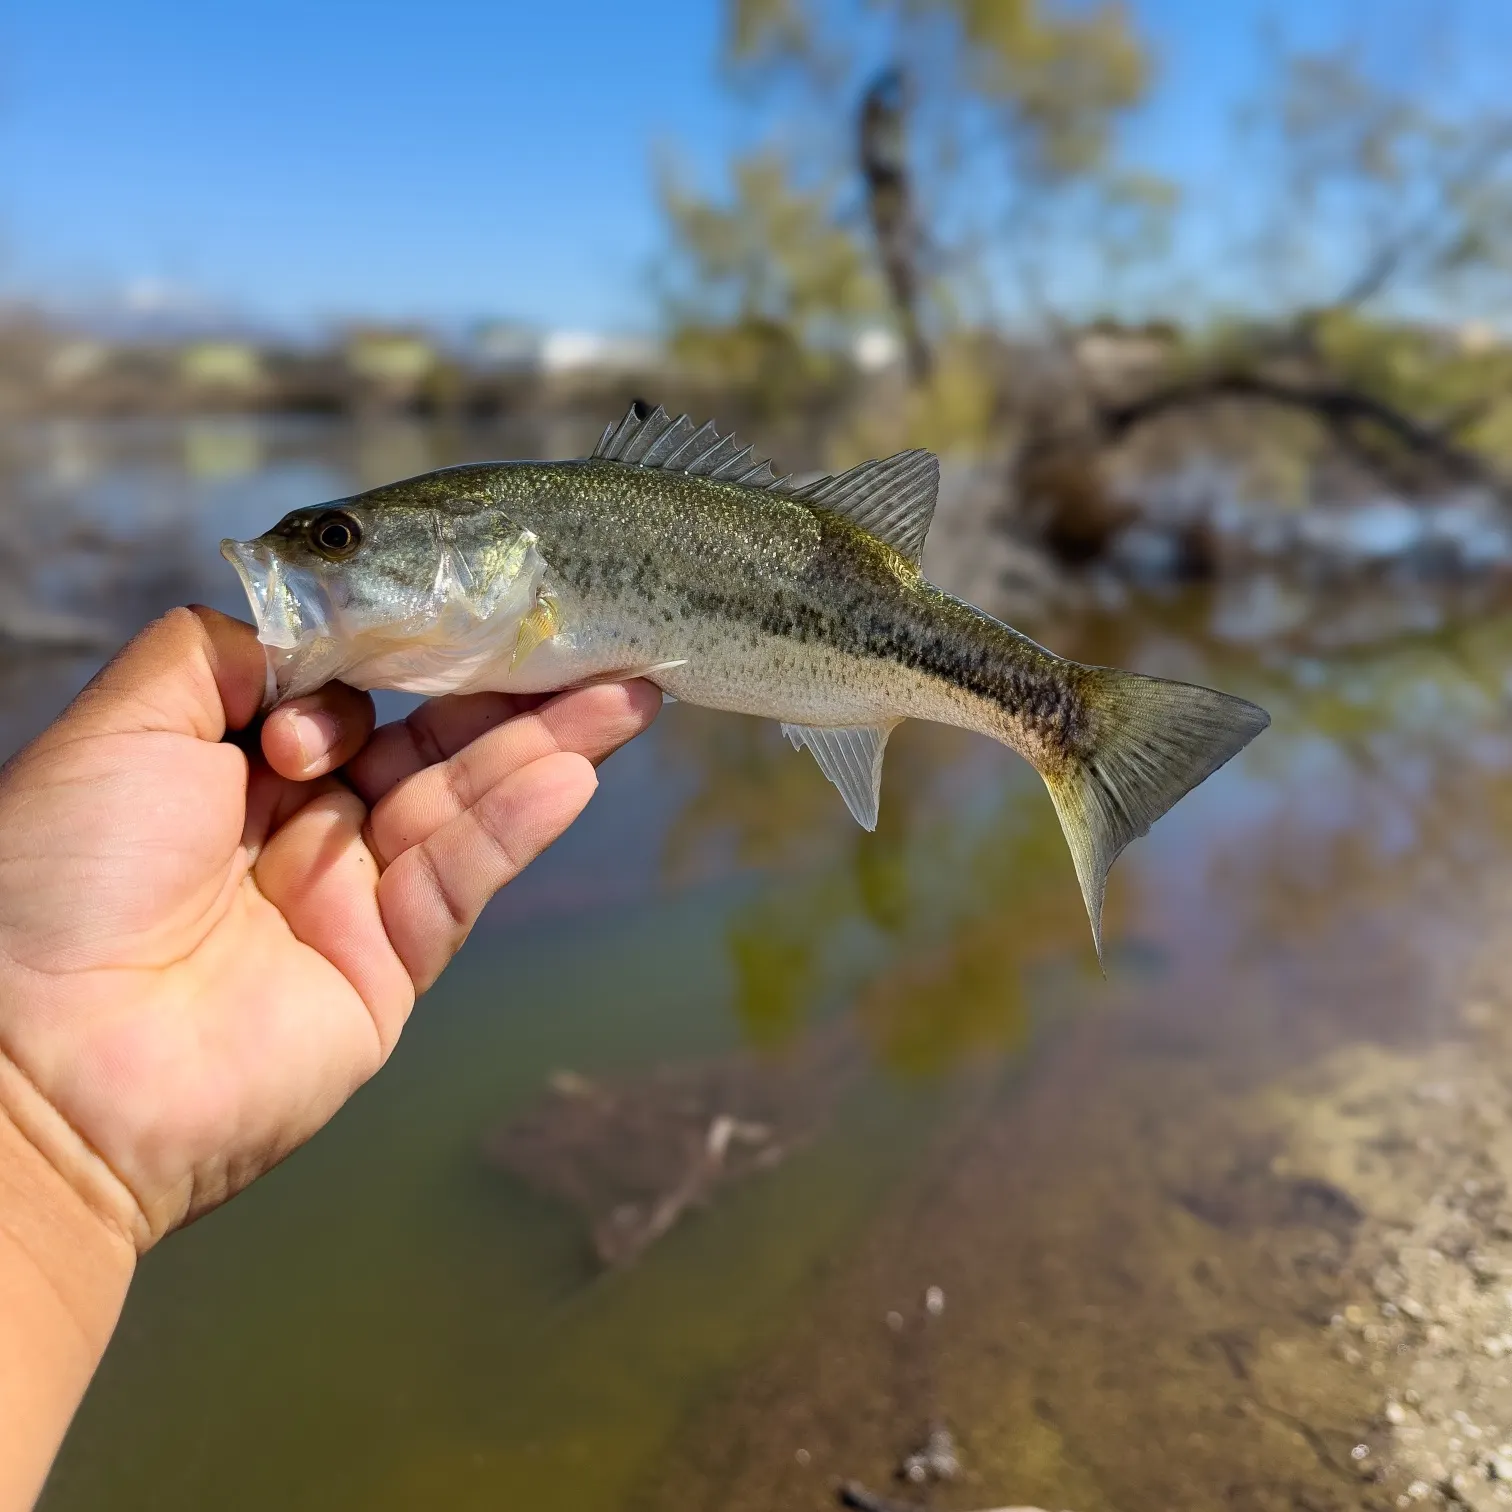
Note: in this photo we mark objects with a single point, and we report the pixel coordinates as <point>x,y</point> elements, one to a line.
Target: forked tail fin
<point>1153,742</point>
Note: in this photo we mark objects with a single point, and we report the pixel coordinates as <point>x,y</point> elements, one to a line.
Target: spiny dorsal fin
<point>656,440</point>
<point>892,498</point>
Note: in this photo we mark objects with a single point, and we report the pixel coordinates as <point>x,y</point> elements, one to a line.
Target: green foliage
<point>770,284</point>
<point>1460,382</point>
<point>952,411</point>
<point>1061,76</point>
<point>765,290</point>
<point>760,32</point>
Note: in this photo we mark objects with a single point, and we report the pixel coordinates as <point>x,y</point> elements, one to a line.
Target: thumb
<point>192,672</point>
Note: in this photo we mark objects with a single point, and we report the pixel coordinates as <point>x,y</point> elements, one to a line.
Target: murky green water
<point>394,1319</point>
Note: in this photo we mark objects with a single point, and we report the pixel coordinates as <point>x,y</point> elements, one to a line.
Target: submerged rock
<point>935,1461</point>
<point>633,1156</point>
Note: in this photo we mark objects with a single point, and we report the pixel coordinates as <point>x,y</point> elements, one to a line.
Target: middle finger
<point>593,722</point>
<point>438,729</point>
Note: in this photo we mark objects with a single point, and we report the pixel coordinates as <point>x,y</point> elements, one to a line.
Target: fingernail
<point>315,733</point>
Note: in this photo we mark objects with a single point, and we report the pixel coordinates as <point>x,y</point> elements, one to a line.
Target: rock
<point>936,1461</point>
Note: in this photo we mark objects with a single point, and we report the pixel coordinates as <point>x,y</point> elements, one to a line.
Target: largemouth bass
<point>672,554</point>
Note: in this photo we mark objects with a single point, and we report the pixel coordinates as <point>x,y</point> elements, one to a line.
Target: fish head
<point>382,593</point>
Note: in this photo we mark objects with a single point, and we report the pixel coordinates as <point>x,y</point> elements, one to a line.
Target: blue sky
<point>308,161</point>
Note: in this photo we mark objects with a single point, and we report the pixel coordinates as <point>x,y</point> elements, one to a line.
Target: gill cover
<point>350,620</point>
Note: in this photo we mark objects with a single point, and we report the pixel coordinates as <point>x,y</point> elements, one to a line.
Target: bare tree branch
<point>1339,407</point>
<point>1384,264</point>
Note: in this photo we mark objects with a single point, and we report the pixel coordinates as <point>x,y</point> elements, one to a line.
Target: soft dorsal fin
<point>892,498</point>
<point>656,440</point>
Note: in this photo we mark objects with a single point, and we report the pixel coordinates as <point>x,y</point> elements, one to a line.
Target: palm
<point>209,956</point>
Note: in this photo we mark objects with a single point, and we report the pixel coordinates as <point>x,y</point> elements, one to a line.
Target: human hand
<point>202,957</point>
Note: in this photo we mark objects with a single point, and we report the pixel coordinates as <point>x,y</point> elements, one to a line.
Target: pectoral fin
<point>852,759</point>
<point>625,674</point>
<point>652,669</point>
<point>538,627</point>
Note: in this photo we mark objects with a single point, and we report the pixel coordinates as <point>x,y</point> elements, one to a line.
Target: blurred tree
<point>984,142</point>
<point>1386,194</point>
<point>954,170</point>
<point>764,292</point>
<point>767,32</point>
<point>882,149</point>
<point>1378,259</point>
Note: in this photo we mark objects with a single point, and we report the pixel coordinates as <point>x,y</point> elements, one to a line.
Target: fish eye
<point>335,534</point>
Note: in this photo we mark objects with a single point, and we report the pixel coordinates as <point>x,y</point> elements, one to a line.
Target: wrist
<point>64,1271</point>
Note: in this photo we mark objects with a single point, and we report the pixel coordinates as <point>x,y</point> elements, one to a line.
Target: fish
<point>675,554</point>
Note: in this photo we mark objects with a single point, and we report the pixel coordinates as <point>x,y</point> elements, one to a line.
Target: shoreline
<point>1171,1285</point>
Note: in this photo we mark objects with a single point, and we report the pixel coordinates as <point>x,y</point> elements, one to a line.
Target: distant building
<point>392,359</point>
<point>1476,336</point>
<point>506,347</point>
<point>230,366</point>
<point>591,351</point>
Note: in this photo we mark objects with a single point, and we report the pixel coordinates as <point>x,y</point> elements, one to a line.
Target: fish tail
<point>1140,744</point>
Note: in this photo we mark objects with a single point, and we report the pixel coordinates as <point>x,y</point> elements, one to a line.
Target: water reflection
<point>1116,1234</point>
<point>1397,773</point>
<point>928,925</point>
<point>222,447</point>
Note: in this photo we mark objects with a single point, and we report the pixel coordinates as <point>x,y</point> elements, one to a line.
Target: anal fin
<point>851,757</point>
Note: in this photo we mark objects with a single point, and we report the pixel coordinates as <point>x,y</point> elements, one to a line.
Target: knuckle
<point>496,824</point>
<point>437,882</point>
<point>429,750</point>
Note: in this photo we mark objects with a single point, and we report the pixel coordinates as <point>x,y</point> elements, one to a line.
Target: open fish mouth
<point>256,568</point>
<point>287,608</point>
<point>293,618</point>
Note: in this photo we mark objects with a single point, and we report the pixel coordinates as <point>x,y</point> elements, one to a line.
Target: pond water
<point>401,1315</point>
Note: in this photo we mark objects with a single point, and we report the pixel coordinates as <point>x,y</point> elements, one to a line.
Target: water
<point>403,1315</point>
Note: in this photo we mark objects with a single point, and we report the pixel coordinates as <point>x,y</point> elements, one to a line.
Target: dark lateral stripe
<point>923,631</point>
<point>966,655</point>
